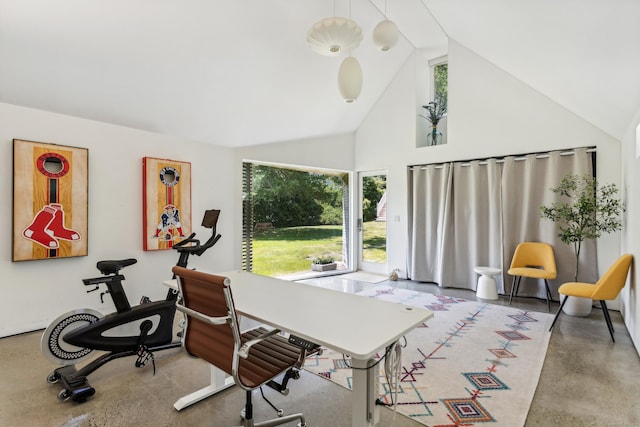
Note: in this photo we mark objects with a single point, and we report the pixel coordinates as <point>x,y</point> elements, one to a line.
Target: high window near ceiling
<point>433,101</point>
<point>294,218</point>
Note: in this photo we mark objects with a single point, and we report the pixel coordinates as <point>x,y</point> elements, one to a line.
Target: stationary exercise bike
<point>130,331</point>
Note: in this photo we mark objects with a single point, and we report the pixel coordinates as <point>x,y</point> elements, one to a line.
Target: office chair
<point>212,333</point>
<point>535,260</point>
<point>607,288</point>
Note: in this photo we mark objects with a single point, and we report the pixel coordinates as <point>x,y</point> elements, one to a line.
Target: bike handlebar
<point>189,239</point>
<point>197,248</point>
<point>212,241</point>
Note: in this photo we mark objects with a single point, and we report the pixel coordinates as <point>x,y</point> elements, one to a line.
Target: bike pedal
<point>144,355</point>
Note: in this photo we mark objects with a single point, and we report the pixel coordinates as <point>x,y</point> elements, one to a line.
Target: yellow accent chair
<point>535,260</point>
<point>605,289</point>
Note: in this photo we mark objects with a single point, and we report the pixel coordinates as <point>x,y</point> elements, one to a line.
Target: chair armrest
<point>200,316</point>
<point>243,351</point>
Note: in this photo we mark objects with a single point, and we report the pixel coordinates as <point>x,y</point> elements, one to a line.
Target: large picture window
<point>294,220</point>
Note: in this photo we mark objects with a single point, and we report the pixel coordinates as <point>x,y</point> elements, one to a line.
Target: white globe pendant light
<point>350,79</point>
<point>385,35</point>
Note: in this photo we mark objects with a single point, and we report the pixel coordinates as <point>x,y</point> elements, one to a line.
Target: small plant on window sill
<point>322,260</point>
<point>436,110</point>
<point>323,263</point>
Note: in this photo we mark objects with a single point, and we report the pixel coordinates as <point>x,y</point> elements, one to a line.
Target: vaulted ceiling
<point>239,72</point>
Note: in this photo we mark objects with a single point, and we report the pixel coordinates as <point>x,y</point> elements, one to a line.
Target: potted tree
<point>586,212</point>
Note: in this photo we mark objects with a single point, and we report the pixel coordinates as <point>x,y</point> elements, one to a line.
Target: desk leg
<point>365,413</point>
<point>219,381</point>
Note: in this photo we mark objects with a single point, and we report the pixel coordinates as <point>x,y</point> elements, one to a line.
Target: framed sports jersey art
<point>166,206</point>
<point>50,201</point>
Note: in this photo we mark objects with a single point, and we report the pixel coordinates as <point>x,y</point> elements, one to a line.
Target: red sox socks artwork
<point>50,201</point>
<point>48,226</point>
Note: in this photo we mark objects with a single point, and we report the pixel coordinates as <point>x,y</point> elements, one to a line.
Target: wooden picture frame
<point>166,217</point>
<point>50,201</point>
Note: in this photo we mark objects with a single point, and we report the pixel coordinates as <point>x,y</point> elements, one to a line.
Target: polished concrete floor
<point>587,380</point>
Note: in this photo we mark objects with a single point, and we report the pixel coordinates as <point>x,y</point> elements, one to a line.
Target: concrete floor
<point>586,381</point>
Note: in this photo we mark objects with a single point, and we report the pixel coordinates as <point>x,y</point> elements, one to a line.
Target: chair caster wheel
<point>53,378</point>
<point>65,395</point>
<point>280,412</point>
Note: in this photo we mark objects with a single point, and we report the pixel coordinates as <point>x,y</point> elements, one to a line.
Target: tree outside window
<point>441,80</point>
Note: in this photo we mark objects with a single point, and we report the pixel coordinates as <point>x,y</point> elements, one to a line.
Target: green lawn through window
<point>291,250</point>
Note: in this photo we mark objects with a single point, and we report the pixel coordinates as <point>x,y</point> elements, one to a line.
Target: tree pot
<point>576,306</point>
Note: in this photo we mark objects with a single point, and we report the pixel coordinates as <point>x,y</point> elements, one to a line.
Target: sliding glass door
<point>372,222</point>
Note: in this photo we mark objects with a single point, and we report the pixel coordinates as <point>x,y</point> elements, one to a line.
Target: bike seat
<point>114,266</point>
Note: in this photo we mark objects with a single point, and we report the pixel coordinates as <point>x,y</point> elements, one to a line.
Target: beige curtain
<point>525,187</point>
<point>474,235</point>
<point>428,211</point>
<point>468,214</point>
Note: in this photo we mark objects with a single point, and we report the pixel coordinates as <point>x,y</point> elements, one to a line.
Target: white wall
<point>331,152</point>
<point>631,224</point>
<point>491,113</point>
<point>35,292</point>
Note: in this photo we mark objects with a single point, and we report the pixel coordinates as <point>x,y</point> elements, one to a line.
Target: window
<point>293,217</point>
<point>441,80</point>
<point>439,89</point>
<point>432,101</point>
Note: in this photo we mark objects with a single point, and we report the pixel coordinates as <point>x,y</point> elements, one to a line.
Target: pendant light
<point>334,36</point>
<point>350,79</point>
<point>385,34</point>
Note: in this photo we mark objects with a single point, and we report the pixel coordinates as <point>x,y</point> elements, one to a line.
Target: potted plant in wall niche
<point>323,263</point>
<point>587,211</point>
<point>436,110</point>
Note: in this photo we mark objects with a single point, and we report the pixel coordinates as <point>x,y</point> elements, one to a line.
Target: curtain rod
<point>517,158</point>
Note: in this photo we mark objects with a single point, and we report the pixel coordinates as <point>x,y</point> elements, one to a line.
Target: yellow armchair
<point>605,289</point>
<point>535,260</point>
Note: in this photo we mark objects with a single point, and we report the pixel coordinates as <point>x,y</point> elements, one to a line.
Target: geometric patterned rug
<point>472,364</point>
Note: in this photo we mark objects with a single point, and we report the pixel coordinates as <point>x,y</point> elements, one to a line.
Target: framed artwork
<point>166,216</point>
<point>50,201</point>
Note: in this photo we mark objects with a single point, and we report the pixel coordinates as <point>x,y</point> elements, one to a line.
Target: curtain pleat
<point>429,189</point>
<point>463,215</point>
<point>474,233</point>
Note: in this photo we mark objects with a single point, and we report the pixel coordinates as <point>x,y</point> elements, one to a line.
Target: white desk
<point>347,323</point>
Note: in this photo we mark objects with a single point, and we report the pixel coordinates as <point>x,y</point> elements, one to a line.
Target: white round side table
<point>487,286</point>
